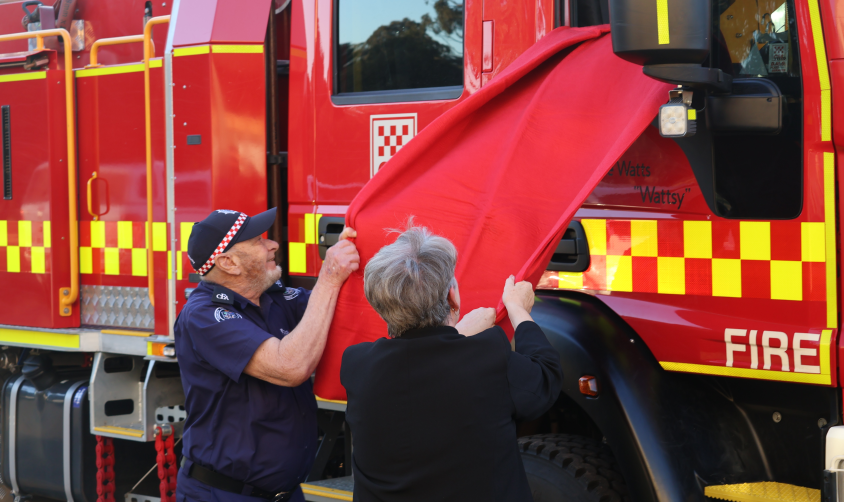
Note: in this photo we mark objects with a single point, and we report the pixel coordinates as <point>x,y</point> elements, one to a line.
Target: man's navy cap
<point>221,230</point>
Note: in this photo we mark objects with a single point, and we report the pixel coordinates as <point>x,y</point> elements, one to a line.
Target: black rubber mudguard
<point>672,434</point>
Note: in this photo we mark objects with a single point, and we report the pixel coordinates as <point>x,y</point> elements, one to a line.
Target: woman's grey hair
<point>407,282</point>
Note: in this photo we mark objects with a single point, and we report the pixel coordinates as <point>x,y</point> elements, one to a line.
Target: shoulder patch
<point>222,314</point>
<point>222,295</point>
<point>290,293</point>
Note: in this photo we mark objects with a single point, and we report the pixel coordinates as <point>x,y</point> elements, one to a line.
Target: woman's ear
<point>454,298</point>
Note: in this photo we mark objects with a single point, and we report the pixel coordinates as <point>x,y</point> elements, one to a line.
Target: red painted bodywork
<point>39,191</point>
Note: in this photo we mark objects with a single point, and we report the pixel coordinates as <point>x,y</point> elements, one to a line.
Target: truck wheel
<point>570,468</point>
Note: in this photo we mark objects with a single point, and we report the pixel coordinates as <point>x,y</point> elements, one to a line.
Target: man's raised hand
<point>341,259</point>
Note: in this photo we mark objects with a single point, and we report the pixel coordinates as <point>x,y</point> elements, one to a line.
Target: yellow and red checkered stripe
<point>303,230</point>
<point>120,247</point>
<point>25,246</point>
<point>779,260</point>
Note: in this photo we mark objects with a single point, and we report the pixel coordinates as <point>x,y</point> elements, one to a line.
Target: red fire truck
<point>694,299</point>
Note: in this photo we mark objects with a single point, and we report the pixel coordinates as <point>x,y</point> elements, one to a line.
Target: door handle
<point>572,253</point>
<point>328,233</point>
<point>90,196</point>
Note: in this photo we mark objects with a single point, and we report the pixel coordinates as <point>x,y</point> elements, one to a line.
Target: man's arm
<point>291,360</point>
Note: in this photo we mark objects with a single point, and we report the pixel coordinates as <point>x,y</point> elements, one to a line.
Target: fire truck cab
<point>694,299</point>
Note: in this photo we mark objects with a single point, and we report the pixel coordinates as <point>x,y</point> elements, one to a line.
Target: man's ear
<point>228,263</point>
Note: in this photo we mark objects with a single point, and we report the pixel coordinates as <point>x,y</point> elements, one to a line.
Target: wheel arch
<point>666,430</point>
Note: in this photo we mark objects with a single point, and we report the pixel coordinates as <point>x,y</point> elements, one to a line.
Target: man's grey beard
<point>260,279</point>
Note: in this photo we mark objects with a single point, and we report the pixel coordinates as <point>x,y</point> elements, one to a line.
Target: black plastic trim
<point>572,253</point>
<point>326,238</point>
<point>672,434</point>
<point>398,95</point>
<point>6,133</point>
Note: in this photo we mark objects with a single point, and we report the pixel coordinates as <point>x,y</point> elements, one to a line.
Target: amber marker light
<point>588,386</point>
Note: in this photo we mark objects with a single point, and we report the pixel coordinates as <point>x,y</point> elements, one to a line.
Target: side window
<point>588,12</point>
<point>391,48</point>
<point>758,176</point>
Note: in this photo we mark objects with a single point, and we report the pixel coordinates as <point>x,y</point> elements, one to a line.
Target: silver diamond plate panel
<point>117,307</point>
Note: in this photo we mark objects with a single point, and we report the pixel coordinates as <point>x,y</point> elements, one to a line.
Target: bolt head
<point>66,310</point>
<point>65,292</point>
<point>777,416</point>
<point>822,423</point>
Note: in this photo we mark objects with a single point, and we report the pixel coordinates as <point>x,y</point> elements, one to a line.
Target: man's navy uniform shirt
<point>243,427</point>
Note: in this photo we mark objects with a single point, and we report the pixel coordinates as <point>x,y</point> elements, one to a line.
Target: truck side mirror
<point>669,38</point>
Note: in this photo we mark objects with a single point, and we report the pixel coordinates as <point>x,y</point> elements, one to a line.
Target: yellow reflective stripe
<point>38,260</point>
<point>829,218</point>
<point>191,51</point>
<point>179,265</point>
<point>697,239</point>
<point>826,116</point>
<point>692,114</point>
<point>298,258</point>
<point>570,280</point>
<point>184,234</point>
<point>662,21</point>
<point>159,236</point>
<point>124,234</point>
<point>755,240</point>
<point>820,48</point>
<point>85,261</point>
<point>671,275</point>
<point>111,261</point>
<point>310,229</point>
<point>329,493</point>
<point>782,376</point>
<point>13,259</point>
<point>596,236</point>
<point>25,234</point>
<point>620,273</point>
<point>786,280</point>
<point>813,241</point>
<point>3,233</point>
<point>139,262</point>
<point>17,77</point>
<point>97,234</point>
<point>726,277</point>
<point>47,239</point>
<point>123,431</point>
<point>116,70</point>
<point>237,49</point>
<point>41,338</point>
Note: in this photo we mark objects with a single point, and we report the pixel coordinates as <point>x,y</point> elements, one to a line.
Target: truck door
<point>371,75</point>
<point>35,258</point>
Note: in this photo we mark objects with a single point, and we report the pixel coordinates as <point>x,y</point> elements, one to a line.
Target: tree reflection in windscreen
<point>399,44</point>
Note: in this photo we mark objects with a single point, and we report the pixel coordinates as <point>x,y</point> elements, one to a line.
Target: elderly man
<point>433,410</point>
<point>247,347</point>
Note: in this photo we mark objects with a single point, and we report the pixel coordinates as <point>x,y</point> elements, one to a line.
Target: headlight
<point>677,120</point>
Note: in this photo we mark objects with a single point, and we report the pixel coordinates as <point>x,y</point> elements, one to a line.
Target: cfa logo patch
<point>222,314</point>
<point>222,296</point>
<point>387,134</point>
<point>290,293</point>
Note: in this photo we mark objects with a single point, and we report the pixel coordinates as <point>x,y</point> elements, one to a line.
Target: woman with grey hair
<point>433,408</point>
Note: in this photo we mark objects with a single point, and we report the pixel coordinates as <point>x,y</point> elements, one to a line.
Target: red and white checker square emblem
<point>387,134</point>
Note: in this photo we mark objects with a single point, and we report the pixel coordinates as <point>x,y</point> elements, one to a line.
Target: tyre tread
<point>587,461</point>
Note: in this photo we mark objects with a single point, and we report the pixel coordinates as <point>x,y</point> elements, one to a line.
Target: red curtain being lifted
<point>501,175</point>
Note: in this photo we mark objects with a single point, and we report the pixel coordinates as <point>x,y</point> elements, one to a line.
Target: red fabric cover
<point>500,175</point>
